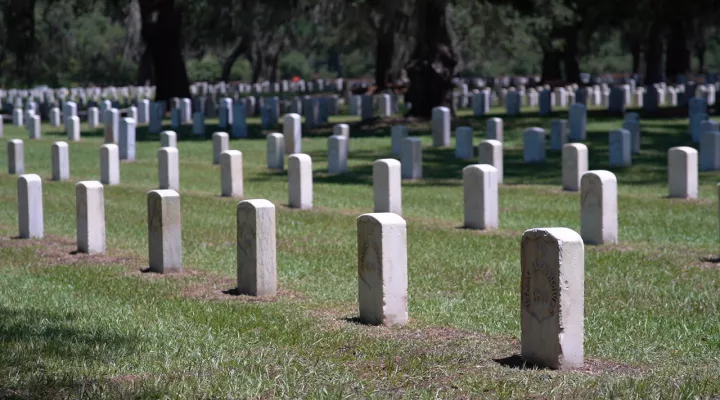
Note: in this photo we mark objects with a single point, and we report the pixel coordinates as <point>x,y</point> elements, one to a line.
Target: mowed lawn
<point>95,326</point>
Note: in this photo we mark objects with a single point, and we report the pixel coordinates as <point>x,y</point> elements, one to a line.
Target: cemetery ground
<point>76,325</point>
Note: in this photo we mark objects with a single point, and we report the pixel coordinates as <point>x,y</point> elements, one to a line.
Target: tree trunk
<point>384,52</point>
<point>161,29</point>
<point>700,51</point>
<point>145,68</point>
<point>20,22</point>
<point>230,60</point>
<point>678,54</point>
<point>572,67</point>
<point>432,65</point>
<point>551,71</point>
<point>635,53</point>
<point>654,56</point>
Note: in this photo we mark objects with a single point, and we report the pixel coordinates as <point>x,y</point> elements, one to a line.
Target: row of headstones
<point>382,257</point>
<point>616,99</point>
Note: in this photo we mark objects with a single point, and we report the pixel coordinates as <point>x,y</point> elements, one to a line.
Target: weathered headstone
<point>164,231</point>
<point>620,155</point>
<point>127,139</point>
<point>112,125</point>
<point>60,161</point>
<point>90,217</point>
<point>256,248</point>
<point>411,159</point>
<point>574,165</point>
<point>337,154</point>
<point>292,129</point>
<point>169,168</point>
<point>387,186</point>
<point>598,207</point>
<point>464,148</point>
<point>221,142</point>
<point>441,127</point>
<point>552,298</point>
<point>300,181</point>
<point>494,127</point>
<point>382,269</point>
<point>276,151</point>
<point>109,164</point>
<point>30,207</point>
<point>534,145</point>
<point>231,174</point>
<point>683,172</point>
<point>480,193</point>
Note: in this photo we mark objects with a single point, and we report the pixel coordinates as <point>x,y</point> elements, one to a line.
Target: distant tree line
<point>420,44</point>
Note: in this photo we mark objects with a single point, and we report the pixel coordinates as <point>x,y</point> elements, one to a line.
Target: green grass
<point>94,326</point>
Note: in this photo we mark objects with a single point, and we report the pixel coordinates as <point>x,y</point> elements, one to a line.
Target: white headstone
<point>534,145</point>
<point>382,269</point>
<point>385,105</point>
<point>398,134</point>
<point>34,126</point>
<point>256,248</point>
<point>494,128</point>
<point>683,172</point>
<point>127,139</point>
<point>574,165</point>
<point>441,126</point>
<point>90,214</point>
<point>30,206</point>
<point>221,142</point>
<point>16,157</point>
<point>300,181</point>
<point>112,125</point>
<point>169,168</point>
<point>558,133</point>
<point>231,174</point>
<point>577,120</point>
<point>710,151</point>
<point>620,155</point>
<point>109,164</point>
<point>337,154</point>
<point>198,123</point>
<point>276,151</point>
<point>490,152</point>
<point>387,186</point>
<point>480,189</point>
<point>598,207</point>
<point>634,128</point>
<point>292,129</point>
<point>60,161</point>
<point>164,231</point>
<point>168,139</point>
<point>411,159</point>
<point>464,148</point>
<point>552,298</point>
<point>54,117</point>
